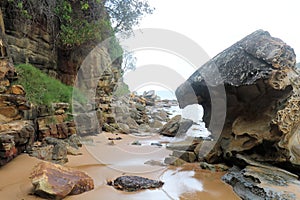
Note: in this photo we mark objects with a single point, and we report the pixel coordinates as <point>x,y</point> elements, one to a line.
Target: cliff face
<point>34,39</point>
<point>30,41</point>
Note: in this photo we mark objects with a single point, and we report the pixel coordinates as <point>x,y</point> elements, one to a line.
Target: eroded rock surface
<point>53,181</point>
<point>260,116</point>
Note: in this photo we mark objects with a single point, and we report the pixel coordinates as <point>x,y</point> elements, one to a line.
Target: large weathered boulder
<point>56,182</point>
<point>250,91</point>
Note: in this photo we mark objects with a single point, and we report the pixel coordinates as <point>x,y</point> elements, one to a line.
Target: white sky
<point>217,24</point>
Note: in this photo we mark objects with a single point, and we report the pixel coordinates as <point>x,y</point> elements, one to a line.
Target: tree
<point>125,14</point>
<point>129,61</point>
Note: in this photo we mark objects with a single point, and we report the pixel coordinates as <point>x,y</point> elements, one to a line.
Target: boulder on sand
<point>134,183</point>
<point>56,182</point>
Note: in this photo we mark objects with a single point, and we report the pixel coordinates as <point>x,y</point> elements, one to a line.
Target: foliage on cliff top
<point>127,14</point>
<point>83,20</point>
<point>40,88</point>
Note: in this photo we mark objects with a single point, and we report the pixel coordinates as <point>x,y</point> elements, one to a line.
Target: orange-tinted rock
<point>44,122</point>
<point>55,181</point>
<point>17,89</point>
<point>10,112</point>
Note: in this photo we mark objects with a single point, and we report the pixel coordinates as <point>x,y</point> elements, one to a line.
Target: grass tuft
<point>40,88</point>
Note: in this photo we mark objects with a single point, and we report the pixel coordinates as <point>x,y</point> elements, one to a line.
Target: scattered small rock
<point>214,167</point>
<point>174,161</point>
<point>156,144</point>
<point>117,138</point>
<point>185,155</point>
<point>136,143</point>
<point>186,145</point>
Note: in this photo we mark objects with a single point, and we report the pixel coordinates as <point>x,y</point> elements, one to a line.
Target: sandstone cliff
<point>33,37</point>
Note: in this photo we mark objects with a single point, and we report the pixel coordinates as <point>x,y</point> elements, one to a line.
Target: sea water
<point>193,112</point>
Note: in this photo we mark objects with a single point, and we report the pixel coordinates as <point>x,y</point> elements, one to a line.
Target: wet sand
<point>103,162</point>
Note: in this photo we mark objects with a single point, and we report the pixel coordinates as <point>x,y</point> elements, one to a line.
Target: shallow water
<point>179,182</point>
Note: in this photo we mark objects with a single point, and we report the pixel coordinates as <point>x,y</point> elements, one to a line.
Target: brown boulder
<point>55,181</point>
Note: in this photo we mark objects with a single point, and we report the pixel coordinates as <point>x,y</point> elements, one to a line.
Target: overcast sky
<point>215,25</point>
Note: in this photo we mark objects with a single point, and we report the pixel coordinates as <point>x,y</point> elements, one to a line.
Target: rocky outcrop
<point>97,80</point>
<point>104,95</point>
<point>16,135</point>
<point>186,150</point>
<point>134,183</point>
<point>260,94</point>
<point>51,121</point>
<point>56,182</point>
<point>141,113</point>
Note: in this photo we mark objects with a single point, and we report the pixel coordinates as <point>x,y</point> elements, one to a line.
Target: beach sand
<point>103,162</point>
